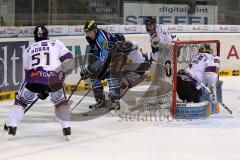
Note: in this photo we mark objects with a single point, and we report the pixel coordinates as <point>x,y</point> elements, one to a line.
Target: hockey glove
<point>43,95</point>
<point>84,74</point>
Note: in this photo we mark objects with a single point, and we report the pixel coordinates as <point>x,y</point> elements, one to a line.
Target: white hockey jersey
<point>43,58</point>
<point>134,59</point>
<point>161,35</point>
<point>205,67</point>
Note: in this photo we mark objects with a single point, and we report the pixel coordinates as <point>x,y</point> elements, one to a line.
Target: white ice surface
<point>39,136</point>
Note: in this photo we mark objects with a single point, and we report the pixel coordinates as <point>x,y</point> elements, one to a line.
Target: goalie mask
<point>40,33</point>
<point>205,48</point>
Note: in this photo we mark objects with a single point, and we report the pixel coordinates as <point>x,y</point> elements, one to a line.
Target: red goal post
<point>160,96</point>
<point>215,46</point>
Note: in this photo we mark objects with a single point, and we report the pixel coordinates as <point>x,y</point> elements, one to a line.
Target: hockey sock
<point>16,115</point>
<point>63,115</point>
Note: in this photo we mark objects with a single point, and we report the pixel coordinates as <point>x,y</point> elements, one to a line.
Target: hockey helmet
<point>89,26</point>
<point>150,20</point>
<point>150,24</point>
<point>205,48</point>
<point>40,33</point>
<point>135,45</point>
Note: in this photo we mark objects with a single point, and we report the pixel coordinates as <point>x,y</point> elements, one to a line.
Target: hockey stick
<point>81,99</point>
<point>74,89</point>
<point>207,89</point>
<point>30,106</point>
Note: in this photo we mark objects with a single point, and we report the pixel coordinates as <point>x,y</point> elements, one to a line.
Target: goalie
<point>204,66</point>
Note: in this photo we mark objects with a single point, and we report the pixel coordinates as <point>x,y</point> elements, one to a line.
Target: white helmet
<point>135,45</point>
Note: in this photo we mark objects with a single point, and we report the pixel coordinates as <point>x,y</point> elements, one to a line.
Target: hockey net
<point>159,97</point>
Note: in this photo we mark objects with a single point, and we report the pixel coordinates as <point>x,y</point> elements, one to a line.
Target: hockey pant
<point>187,90</point>
<point>130,79</point>
<point>27,94</point>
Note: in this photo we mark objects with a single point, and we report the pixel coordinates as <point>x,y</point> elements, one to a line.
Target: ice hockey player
<point>204,66</point>
<point>135,69</point>
<point>45,63</point>
<point>104,64</point>
<point>158,34</point>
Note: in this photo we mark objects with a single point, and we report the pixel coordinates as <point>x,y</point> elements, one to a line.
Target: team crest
<point>28,95</point>
<point>56,95</point>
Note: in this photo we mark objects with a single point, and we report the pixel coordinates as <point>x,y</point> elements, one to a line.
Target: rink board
<point>11,50</point>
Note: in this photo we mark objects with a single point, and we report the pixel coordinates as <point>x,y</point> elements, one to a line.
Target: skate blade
<point>67,138</point>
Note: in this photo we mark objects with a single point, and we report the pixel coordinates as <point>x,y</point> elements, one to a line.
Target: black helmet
<point>90,25</point>
<point>40,33</point>
<point>205,48</point>
<point>150,20</point>
<point>119,36</point>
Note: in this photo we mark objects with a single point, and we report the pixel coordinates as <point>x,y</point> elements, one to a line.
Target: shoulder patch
<point>103,44</point>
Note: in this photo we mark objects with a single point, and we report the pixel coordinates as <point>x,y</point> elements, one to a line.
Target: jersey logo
<point>28,95</point>
<point>56,95</point>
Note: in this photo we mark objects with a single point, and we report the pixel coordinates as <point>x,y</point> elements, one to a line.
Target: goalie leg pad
<point>143,67</point>
<point>131,79</point>
<point>118,61</point>
<point>213,103</point>
<point>219,91</point>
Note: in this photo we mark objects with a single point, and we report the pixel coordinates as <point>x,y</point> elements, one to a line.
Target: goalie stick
<point>207,89</point>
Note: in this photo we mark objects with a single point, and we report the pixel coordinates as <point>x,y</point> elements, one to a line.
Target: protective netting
<point>158,95</point>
